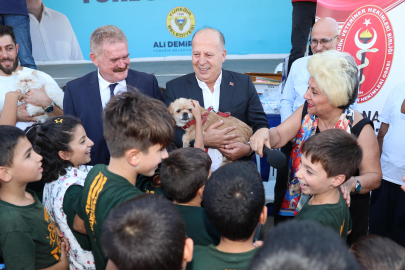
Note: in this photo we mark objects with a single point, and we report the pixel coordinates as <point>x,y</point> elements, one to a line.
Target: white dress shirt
<point>105,89</point>
<point>296,87</point>
<point>53,37</point>
<point>393,151</point>
<point>212,99</point>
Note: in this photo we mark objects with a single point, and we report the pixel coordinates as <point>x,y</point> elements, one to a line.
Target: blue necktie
<point>112,87</point>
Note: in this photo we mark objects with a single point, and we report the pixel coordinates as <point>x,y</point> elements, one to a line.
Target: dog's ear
<point>170,108</point>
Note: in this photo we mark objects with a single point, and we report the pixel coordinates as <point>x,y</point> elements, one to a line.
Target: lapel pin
<point>231,83</point>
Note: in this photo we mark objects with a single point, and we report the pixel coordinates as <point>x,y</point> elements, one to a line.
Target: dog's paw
<point>186,143</point>
<point>42,118</point>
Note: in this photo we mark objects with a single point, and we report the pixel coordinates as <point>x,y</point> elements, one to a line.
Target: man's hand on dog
<point>235,151</point>
<point>215,138</point>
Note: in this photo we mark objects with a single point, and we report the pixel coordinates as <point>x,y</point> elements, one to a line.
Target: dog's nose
<point>185,114</point>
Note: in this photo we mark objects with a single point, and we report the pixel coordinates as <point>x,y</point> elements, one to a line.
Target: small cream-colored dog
<point>180,109</point>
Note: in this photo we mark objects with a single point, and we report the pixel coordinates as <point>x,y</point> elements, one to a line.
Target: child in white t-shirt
<point>63,143</point>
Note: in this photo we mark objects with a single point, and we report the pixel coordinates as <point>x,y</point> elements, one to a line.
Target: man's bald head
<point>213,33</point>
<point>325,29</point>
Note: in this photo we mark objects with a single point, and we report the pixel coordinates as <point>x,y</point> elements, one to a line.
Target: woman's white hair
<point>336,76</point>
<point>105,34</point>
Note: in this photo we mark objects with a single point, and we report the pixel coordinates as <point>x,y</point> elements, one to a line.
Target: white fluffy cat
<point>27,79</point>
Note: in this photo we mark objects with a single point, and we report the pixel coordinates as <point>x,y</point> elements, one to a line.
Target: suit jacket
<point>238,96</point>
<point>82,99</point>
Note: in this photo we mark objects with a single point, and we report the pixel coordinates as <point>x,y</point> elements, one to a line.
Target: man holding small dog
<point>224,90</point>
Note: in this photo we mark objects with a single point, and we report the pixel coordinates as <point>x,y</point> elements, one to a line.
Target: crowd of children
<point>150,209</point>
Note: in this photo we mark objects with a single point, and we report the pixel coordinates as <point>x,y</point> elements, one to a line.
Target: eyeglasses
<point>323,42</point>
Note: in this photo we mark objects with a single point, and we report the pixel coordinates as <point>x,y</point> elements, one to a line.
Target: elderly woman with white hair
<point>332,89</point>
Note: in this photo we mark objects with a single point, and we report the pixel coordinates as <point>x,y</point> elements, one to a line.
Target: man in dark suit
<point>226,91</point>
<point>87,96</point>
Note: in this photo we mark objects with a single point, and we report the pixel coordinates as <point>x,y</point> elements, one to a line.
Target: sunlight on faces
<point>313,178</point>
<point>148,162</point>
<point>114,61</point>
<point>325,28</point>
<point>8,55</point>
<point>317,101</point>
<point>80,147</point>
<point>27,164</point>
<point>207,56</point>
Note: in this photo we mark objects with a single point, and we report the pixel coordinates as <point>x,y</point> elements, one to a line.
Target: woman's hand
<point>260,138</point>
<point>348,187</point>
<point>62,238</point>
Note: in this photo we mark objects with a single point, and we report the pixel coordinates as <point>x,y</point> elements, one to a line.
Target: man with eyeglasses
<point>325,36</point>
<point>303,19</point>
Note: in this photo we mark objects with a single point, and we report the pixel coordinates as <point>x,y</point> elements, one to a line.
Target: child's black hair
<point>336,150</point>
<point>184,172</point>
<point>9,137</point>
<point>302,245</point>
<point>234,199</point>
<point>375,252</point>
<point>48,139</point>
<point>135,120</point>
<point>146,232</point>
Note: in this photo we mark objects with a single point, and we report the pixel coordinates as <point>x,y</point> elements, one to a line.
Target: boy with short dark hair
<point>328,160</point>
<point>234,201</point>
<point>137,130</point>
<point>183,176</point>
<point>146,232</point>
<point>152,184</point>
<point>28,237</point>
<point>303,245</point>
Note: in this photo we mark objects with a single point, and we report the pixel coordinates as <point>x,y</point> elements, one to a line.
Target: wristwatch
<point>251,150</point>
<point>358,185</point>
<point>49,108</point>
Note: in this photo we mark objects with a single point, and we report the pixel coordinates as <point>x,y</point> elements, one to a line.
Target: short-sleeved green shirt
<point>335,216</point>
<point>28,238</point>
<point>72,196</point>
<point>102,191</point>
<point>144,184</point>
<point>198,227</point>
<point>211,258</point>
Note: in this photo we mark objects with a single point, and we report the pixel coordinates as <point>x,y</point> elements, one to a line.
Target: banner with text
<point>371,33</point>
<point>162,28</point>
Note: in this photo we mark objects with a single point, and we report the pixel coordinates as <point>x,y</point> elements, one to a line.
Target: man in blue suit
<point>225,90</point>
<point>87,96</point>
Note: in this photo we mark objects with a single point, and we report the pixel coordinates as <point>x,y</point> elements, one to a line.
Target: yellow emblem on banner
<point>180,22</point>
